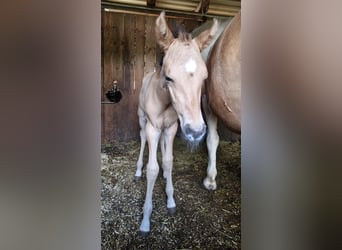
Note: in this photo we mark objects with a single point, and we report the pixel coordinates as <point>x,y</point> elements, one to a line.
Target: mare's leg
<point>212,144</point>
<point>169,135</point>
<point>142,123</point>
<point>151,174</point>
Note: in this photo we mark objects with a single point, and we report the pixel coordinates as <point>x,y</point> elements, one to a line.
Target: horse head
<point>183,73</point>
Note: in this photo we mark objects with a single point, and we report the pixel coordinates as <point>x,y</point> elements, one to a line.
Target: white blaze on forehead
<point>190,66</point>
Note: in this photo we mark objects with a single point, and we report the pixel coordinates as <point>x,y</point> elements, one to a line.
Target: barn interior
<point>205,219</point>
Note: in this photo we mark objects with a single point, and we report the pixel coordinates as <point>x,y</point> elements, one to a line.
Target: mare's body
<point>223,91</point>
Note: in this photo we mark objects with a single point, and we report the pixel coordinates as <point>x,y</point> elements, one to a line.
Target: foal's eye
<point>168,79</point>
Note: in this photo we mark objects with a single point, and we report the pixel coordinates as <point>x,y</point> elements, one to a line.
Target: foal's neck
<point>162,92</point>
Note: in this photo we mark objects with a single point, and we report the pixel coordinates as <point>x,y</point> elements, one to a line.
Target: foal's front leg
<point>142,123</point>
<point>168,138</point>
<point>152,170</point>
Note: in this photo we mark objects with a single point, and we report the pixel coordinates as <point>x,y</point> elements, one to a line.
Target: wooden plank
<point>138,74</point>
<point>128,49</point>
<point>115,109</point>
<point>124,113</point>
<point>121,61</point>
<point>139,54</point>
<point>118,52</point>
<point>130,109</point>
<point>107,71</point>
<point>108,50</point>
<point>102,75</point>
<point>150,45</point>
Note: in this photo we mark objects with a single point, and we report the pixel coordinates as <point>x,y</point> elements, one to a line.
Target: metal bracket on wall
<point>114,95</point>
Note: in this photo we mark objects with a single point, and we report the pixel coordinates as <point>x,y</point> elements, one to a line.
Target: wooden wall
<point>129,50</point>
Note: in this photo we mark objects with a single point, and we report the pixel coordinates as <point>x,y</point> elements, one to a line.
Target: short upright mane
<point>184,36</point>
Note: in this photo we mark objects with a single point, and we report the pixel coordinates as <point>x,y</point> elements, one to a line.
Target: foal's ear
<point>163,33</point>
<point>204,39</point>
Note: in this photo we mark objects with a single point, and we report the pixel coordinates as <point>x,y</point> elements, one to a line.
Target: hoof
<point>171,210</point>
<point>137,178</point>
<point>144,234</point>
<point>209,185</point>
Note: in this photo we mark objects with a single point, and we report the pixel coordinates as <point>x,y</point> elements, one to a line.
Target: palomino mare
<point>169,94</point>
<point>223,91</point>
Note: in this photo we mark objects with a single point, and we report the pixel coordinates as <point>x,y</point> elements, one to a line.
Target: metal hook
<point>114,95</point>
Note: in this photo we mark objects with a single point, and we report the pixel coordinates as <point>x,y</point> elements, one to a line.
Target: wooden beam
<point>125,8</point>
<point>151,3</point>
<point>203,6</point>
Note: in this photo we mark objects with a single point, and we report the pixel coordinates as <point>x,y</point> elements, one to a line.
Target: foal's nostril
<point>194,135</point>
<point>187,129</point>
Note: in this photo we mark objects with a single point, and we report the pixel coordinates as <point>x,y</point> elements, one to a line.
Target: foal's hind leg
<point>142,123</point>
<point>168,138</point>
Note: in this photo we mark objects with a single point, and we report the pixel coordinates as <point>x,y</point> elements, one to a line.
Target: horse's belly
<point>225,103</point>
<point>223,86</point>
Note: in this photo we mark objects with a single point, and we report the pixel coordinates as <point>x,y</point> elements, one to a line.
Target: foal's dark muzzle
<point>194,135</point>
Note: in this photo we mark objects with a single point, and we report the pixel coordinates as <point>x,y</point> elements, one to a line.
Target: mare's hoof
<point>209,185</point>
<point>137,178</point>
<point>171,210</point>
<point>144,234</point>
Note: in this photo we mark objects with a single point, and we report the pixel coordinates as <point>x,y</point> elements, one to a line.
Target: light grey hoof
<point>144,234</point>
<point>211,187</point>
<point>209,184</point>
<point>137,178</point>
<point>171,210</point>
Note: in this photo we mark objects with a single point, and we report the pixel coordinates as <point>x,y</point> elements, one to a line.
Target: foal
<point>169,94</point>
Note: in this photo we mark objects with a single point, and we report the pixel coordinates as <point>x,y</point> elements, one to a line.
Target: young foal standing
<point>172,93</point>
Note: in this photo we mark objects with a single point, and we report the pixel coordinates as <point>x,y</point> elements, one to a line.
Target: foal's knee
<point>142,134</point>
<point>167,164</point>
<point>152,172</point>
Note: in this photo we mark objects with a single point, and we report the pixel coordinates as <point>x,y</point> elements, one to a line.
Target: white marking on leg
<point>190,66</point>
<point>212,144</point>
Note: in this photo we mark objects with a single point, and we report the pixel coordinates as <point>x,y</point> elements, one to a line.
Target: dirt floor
<point>204,219</point>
